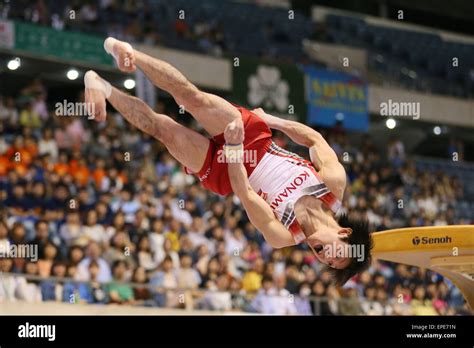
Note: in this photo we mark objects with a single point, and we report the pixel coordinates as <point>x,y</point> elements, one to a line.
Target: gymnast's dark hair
<point>360,236</point>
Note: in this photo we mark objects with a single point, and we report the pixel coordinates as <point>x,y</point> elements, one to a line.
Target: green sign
<point>70,46</point>
<point>277,88</point>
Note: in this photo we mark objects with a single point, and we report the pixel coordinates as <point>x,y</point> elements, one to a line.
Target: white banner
<point>202,70</point>
<point>7,34</point>
<point>432,108</point>
<point>338,57</point>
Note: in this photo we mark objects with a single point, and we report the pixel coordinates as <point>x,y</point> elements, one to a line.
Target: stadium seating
<point>413,59</point>
<point>416,60</point>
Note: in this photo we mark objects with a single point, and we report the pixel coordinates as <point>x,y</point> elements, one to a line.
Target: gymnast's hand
<point>234,132</point>
<point>271,121</point>
<point>260,113</point>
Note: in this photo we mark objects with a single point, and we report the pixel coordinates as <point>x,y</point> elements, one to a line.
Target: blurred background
<point>117,221</point>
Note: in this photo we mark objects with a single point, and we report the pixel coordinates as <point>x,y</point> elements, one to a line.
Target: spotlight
<point>14,64</point>
<point>72,74</point>
<point>391,123</point>
<point>129,84</point>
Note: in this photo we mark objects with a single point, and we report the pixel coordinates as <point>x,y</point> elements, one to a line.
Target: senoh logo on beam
<point>431,240</point>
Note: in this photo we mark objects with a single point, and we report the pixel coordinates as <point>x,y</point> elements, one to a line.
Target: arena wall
<point>57,308</point>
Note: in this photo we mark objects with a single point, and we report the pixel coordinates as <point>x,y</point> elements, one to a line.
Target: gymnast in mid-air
<point>286,197</point>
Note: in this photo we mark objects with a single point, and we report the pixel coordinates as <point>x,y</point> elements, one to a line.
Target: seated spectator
<point>327,299</point>
<point>252,280</point>
<point>273,298</point>
<point>28,288</point>
<point>350,303</point>
<point>8,283</point>
<point>302,302</point>
<point>121,249</point>
<point>217,296</point>
<point>369,305</point>
<point>172,234</point>
<point>74,291</point>
<point>18,202</point>
<point>169,251</point>
<point>165,283</point>
<point>29,117</point>
<point>118,291</point>
<point>72,231</point>
<point>211,272</point>
<point>8,113</point>
<point>45,264</point>
<point>145,256</point>
<point>284,300</point>
<point>202,259</point>
<point>93,254</point>
<point>47,145</point>
<point>188,279</point>
<point>95,289</point>
<point>128,205</point>
<point>263,303</point>
<point>382,298</point>
<point>52,290</point>
<point>142,295</point>
<point>420,305</point>
<point>4,240</point>
<point>235,241</point>
<point>93,231</point>
<point>118,224</point>
<point>75,255</point>
<point>157,241</point>
<point>41,237</point>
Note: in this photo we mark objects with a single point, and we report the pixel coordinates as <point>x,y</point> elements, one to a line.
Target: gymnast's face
<point>330,247</point>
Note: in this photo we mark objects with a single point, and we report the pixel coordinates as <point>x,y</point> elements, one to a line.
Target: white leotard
<point>281,178</point>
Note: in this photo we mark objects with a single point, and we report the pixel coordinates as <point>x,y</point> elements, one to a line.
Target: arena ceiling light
<point>391,123</point>
<point>412,74</point>
<point>14,64</point>
<point>129,84</point>
<point>340,117</point>
<point>72,74</point>
<point>437,130</point>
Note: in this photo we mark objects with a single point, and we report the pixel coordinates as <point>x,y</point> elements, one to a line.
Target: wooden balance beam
<point>447,250</point>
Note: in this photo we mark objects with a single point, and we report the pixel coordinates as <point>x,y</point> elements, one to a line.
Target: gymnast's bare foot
<point>97,90</point>
<point>122,52</point>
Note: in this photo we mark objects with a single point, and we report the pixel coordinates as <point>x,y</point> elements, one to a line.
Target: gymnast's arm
<point>302,135</point>
<point>259,212</point>
<point>322,155</point>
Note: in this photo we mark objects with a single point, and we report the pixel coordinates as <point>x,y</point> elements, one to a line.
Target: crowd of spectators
<point>172,24</point>
<point>116,220</point>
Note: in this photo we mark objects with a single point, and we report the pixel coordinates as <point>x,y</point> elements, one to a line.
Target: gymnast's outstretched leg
<point>185,145</point>
<point>211,111</point>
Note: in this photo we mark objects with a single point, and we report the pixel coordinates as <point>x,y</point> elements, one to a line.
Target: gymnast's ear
<point>345,232</point>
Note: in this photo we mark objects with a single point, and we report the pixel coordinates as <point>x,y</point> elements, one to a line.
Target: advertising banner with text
<point>334,96</point>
